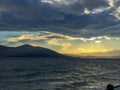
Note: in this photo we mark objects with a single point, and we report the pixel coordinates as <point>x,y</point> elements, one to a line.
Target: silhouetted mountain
<point>27,51</point>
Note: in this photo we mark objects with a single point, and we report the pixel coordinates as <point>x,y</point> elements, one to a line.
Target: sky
<point>73,27</point>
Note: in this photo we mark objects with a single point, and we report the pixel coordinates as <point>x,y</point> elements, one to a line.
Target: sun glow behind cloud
<point>111,3</point>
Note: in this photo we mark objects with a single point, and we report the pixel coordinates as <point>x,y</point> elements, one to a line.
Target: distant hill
<point>27,51</point>
<point>109,54</point>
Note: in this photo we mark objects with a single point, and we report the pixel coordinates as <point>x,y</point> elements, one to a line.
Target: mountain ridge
<point>27,51</point>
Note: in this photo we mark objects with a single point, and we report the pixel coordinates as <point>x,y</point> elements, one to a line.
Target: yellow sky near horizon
<point>68,44</point>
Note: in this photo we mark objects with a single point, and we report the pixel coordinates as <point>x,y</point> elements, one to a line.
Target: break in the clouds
<point>94,46</point>
<point>86,18</point>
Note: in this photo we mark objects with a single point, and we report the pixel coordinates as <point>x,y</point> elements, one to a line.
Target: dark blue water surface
<point>58,73</point>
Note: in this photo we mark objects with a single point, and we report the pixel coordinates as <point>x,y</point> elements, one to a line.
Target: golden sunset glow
<point>69,45</point>
<point>85,49</point>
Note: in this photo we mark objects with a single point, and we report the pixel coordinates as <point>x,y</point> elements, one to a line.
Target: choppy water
<point>57,73</point>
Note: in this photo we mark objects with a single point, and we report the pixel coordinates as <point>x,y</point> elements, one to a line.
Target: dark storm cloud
<point>60,18</point>
<point>78,6</point>
<point>95,3</point>
<point>92,4</point>
<point>27,12</point>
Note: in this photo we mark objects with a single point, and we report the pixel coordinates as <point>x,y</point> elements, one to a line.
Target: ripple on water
<point>44,74</point>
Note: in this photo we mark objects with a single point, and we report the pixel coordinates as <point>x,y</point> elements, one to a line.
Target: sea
<point>53,73</point>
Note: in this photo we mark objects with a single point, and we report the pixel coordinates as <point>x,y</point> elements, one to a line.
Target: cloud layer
<point>64,44</point>
<point>86,18</point>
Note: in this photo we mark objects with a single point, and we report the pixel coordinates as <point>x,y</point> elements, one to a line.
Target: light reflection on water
<point>57,74</point>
